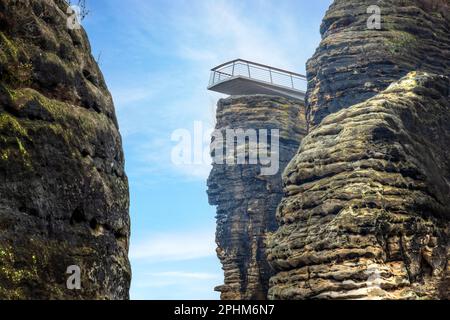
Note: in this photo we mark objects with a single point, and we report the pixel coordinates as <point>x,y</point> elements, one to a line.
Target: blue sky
<point>156,56</point>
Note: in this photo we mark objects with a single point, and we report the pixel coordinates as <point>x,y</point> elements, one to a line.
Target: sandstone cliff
<point>367,205</point>
<point>246,201</point>
<point>367,197</point>
<point>63,190</point>
<point>354,63</point>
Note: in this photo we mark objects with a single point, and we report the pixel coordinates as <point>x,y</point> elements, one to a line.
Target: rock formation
<point>367,205</point>
<point>246,201</point>
<point>63,191</point>
<point>354,63</point>
<point>367,197</point>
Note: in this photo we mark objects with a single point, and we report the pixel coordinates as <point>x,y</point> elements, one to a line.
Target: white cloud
<point>221,30</point>
<point>177,278</point>
<point>186,39</point>
<point>186,275</point>
<point>175,247</point>
<point>194,171</point>
<point>152,155</point>
<point>126,96</point>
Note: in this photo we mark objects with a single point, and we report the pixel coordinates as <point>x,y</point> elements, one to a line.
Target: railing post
<point>232,72</point>
<point>270,72</point>
<point>292,82</point>
<point>248,67</point>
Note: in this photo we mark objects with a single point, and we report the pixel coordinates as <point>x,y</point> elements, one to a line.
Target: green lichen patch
<point>13,139</point>
<point>63,112</point>
<point>76,126</point>
<point>400,42</point>
<point>14,72</point>
<point>12,276</point>
<point>40,261</point>
<point>10,126</point>
<point>7,46</point>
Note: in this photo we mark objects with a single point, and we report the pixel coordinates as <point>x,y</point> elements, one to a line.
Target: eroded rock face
<point>367,206</point>
<point>367,197</point>
<point>63,191</point>
<point>354,63</point>
<point>246,201</point>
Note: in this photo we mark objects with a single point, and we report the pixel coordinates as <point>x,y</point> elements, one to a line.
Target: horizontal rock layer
<point>354,63</point>
<point>246,201</point>
<point>63,191</point>
<point>367,200</point>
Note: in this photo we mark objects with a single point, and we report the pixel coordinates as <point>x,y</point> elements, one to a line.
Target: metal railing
<point>257,71</point>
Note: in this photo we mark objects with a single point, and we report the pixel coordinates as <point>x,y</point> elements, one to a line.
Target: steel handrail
<point>260,65</point>
<point>251,66</point>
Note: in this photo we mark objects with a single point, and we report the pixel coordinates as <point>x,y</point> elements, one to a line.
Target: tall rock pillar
<point>366,211</point>
<point>63,190</point>
<point>246,201</point>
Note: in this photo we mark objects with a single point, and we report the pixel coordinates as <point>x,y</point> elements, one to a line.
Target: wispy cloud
<point>132,95</point>
<point>187,38</point>
<point>174,247</point>
<point>213,31</point>
<point>186,275</point>
<point>156,57</point>
<point>176,278</point>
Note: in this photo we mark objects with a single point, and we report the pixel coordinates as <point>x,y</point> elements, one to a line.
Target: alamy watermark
<point>374,279</point>
<point>374,21</point>
<point>74,19</point>
<point>228,146</point>
<point>74,280</point>
<point>76,14</point>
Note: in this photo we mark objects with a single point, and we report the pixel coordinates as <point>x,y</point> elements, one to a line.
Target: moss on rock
<point>64,194</point>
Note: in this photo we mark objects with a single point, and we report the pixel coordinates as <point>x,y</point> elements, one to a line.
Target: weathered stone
<point>367,197</point>
<point>63,191</point>
<point>354,63</point>
<point>367,200</point>
<point>246,201</point>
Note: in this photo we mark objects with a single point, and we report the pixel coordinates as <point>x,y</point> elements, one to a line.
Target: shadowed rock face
<point>63,191</point>
<point>246,201</point>
<point>354,63</point>
<point>367,205</point>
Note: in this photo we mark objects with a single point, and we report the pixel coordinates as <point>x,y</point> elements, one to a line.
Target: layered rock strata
<point>246,200</point>
<point>367,197</point>
<point>354,63</point>
<point>367,201</point>
<point>63,191</point>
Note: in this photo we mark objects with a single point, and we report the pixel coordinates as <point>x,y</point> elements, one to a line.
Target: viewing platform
<point>242,77</point>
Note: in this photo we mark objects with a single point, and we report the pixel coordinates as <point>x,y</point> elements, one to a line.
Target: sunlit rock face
<point>63,191</point>
<point>367,205</point>
<point>246,200</point>
<point>366,208</point>
<point>354,63</point>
